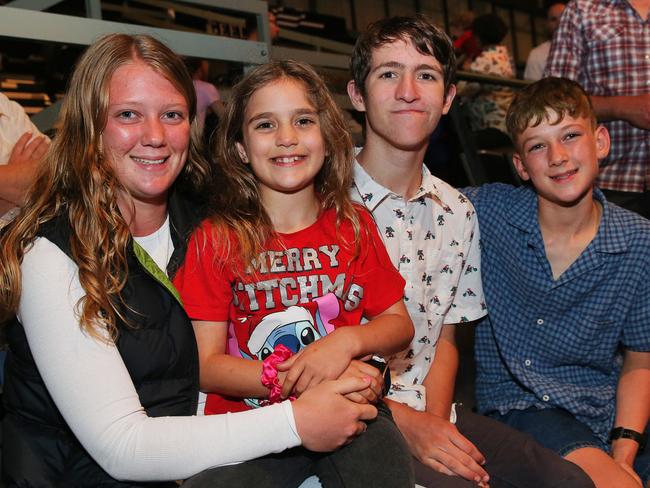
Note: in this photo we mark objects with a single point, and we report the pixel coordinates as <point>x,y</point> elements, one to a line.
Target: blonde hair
<point>237,205</point>
<point>76,179</point>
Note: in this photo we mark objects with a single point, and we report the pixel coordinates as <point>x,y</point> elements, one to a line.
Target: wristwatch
<point>623,433</point>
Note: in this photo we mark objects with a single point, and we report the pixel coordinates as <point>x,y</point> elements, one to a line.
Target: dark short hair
<point>531,106</point>
<point>489,28</point>
<point>427,38</point>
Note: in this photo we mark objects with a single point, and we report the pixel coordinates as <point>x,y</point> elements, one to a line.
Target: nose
<point>286,135</point>
<point>406,88</point>
<point>557,154</point>
<point>153,133</point>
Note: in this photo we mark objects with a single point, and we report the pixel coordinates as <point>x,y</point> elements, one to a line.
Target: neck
<point>396,169</point>
<point>570,221</point>
<point>291,212</point>
<point>143,218</point>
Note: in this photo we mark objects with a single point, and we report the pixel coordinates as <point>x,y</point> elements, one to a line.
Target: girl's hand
<point>359,369</point>
<point>325,359</point>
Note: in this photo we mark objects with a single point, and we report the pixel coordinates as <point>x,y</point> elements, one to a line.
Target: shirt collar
<point>372,193</point>
<point>610,237</point>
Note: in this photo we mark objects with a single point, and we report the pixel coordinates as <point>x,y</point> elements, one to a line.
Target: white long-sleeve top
<point>92,388</point>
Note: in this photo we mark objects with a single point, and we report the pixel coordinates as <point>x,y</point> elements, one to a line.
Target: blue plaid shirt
<point>557,343</point>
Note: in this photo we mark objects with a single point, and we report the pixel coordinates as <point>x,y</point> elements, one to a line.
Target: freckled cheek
<point>179,139</point>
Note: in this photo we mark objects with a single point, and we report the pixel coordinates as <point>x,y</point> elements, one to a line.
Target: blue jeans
<point>561,432</point>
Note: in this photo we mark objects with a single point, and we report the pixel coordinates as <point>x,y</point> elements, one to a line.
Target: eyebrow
<point>298,111</point>
<point>397,64</point>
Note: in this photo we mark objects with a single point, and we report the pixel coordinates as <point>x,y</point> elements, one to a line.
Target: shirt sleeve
<point>202,280</point>
<point>384,285</point>
<point>565,58</point>
<point>469,303</point>
<point>91,387</point>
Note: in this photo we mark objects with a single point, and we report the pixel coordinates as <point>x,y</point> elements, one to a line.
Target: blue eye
<point>126,114</point>
<point>173,115</point>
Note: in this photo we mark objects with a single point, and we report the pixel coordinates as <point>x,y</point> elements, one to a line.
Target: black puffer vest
<point>160,353</point>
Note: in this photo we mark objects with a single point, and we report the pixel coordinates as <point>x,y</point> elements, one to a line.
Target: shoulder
<point>451,197</point>
<point>490,194</point>
<point>634,229</point>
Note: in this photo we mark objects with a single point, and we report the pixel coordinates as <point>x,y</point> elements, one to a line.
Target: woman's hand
<point>326,420</point>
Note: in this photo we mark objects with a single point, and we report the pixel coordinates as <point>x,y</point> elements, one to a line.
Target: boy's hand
<point>436,443</point>
<point>359,369</point>
<point>325,359</point>
<point>326,420</point>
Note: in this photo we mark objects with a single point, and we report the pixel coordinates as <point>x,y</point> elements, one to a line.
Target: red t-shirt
<point>302,287</point>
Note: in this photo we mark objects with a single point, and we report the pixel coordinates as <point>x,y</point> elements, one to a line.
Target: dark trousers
<point>636,202</point>
<point>513,459</point>
<point>379,458</point>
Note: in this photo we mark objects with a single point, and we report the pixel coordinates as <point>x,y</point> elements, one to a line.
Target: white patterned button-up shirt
<point>433,240</point>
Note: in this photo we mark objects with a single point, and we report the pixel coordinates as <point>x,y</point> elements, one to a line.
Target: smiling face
<point>561,159</point>
<point>405,96</point>
<point>147,134</point>
<point>283,141</point>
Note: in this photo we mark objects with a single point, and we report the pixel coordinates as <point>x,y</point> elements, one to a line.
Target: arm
<point>94,392</point>
<point>220,372</point>
<point>431,437</point>
<point>632,403</point>
<point>327,358</point>
<point>634,109</point>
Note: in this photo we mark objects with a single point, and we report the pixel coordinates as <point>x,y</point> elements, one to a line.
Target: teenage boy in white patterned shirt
<point>402,70</point>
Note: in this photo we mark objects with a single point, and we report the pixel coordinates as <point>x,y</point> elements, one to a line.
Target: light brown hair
<point>535,103</point>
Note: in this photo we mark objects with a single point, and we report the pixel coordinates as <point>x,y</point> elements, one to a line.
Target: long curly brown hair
<point>237,205</point>
<point>76,179</point>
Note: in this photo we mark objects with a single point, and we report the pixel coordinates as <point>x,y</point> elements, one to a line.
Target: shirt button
<point>540,321</point>
<point>546,398</point>
<point>528,362</point>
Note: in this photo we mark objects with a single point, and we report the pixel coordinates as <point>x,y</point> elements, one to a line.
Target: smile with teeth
<point>287,159</point>
<point>565,175</point>
<point>148,161</point>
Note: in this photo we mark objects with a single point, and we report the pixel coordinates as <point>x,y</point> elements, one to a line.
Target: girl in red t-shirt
<point>286,264</point>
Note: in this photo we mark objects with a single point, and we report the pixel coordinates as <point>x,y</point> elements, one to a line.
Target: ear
<point>242,152</point>
<point>449,98</point>
<point>519,167</point>
<point>602,141</point>
<point>355,97</point>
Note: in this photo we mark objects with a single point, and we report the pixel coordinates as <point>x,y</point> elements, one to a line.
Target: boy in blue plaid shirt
<point>565,351</point>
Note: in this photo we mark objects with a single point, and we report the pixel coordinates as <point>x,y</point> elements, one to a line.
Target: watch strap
<point>623,433</point>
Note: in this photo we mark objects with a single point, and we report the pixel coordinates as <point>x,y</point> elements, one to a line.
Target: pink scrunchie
<point>270,373</point>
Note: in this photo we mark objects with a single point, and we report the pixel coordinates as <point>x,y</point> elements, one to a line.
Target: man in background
<point>539,55</point>
<point>605,46</point>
